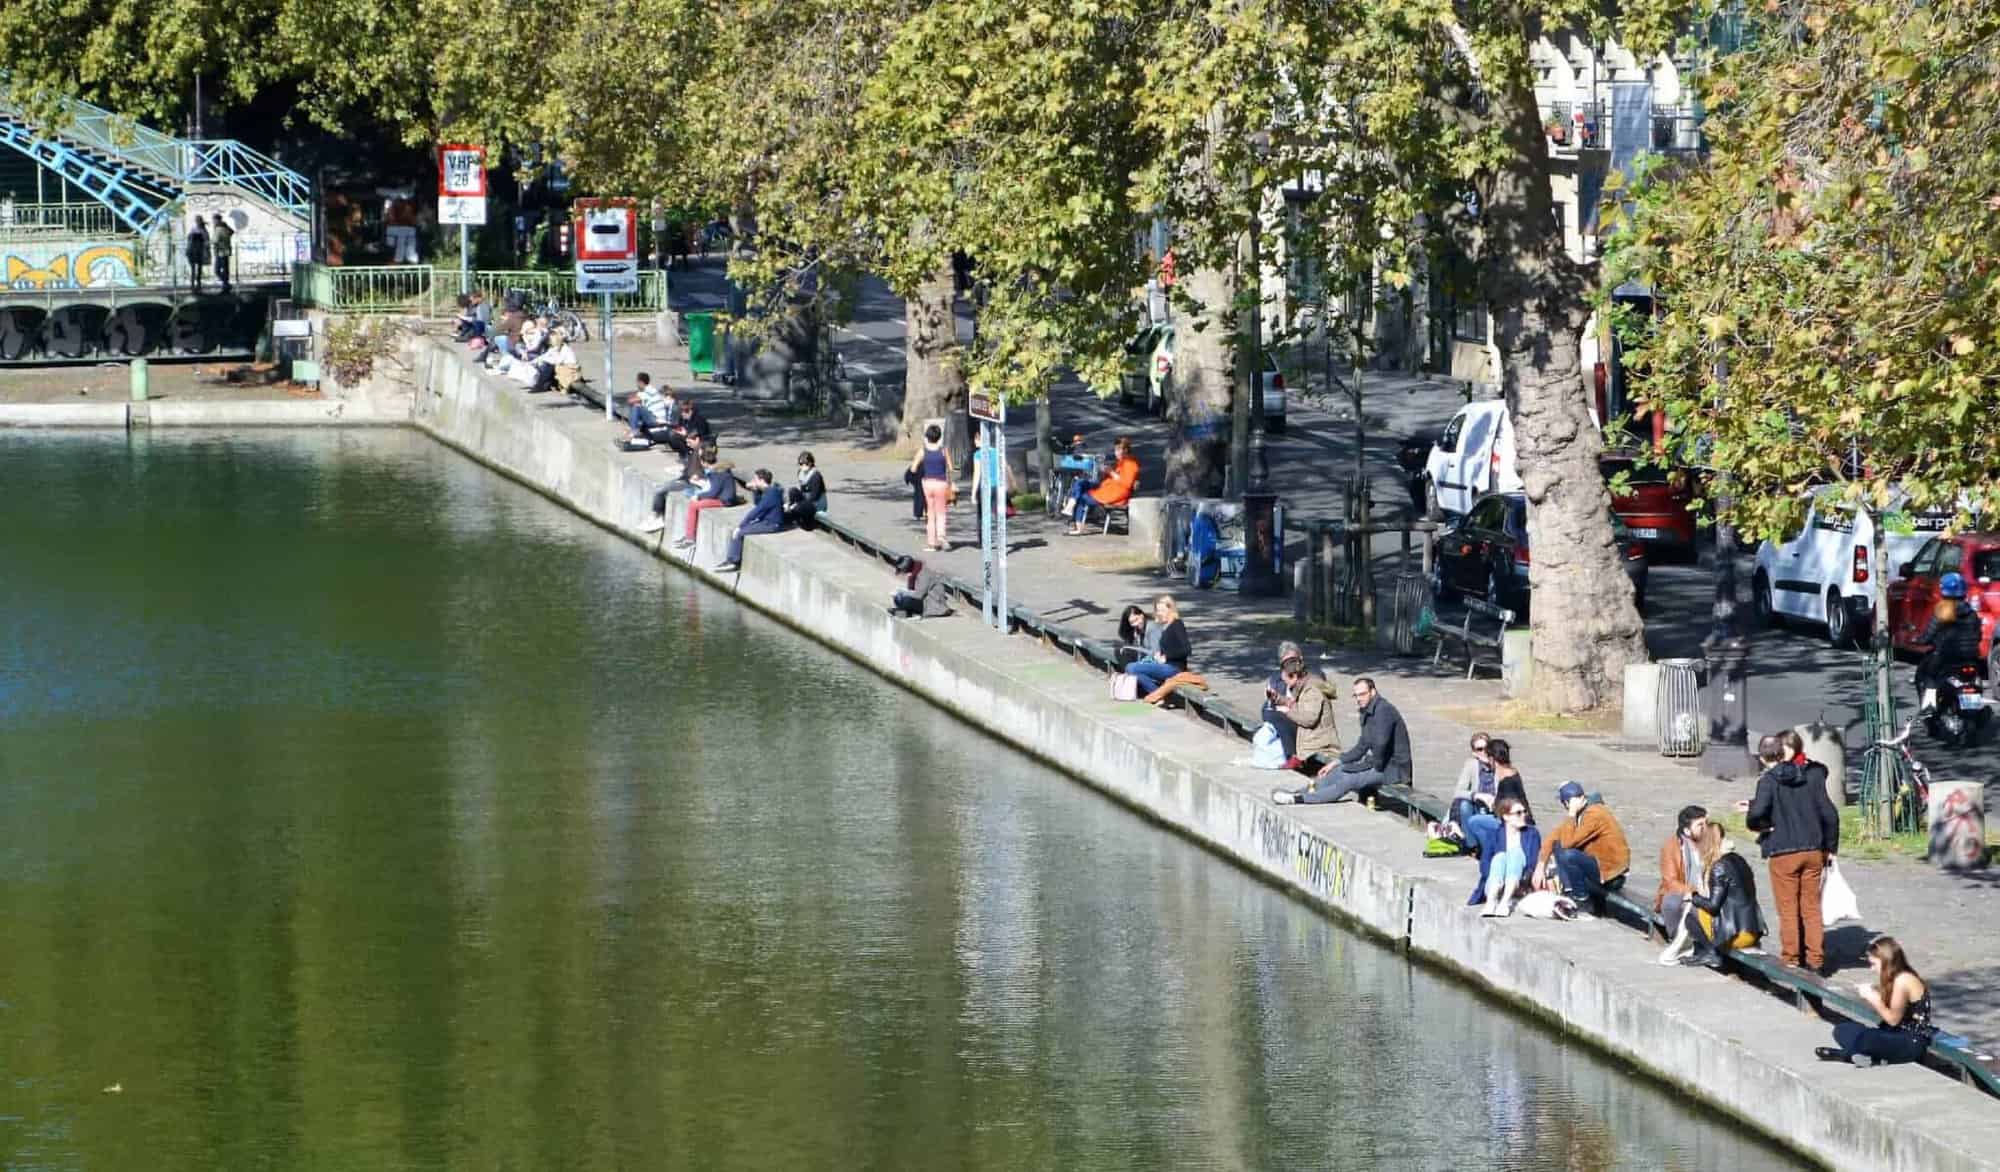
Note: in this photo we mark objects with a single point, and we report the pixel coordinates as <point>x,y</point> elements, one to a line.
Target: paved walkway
<point>1947,922</point>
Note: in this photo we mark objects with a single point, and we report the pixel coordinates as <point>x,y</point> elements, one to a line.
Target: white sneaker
<point>1284,797</point>
<point>653,524</point>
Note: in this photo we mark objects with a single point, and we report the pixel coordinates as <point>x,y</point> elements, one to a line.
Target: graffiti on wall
<point>69,265</point>
<point>1323,867</point>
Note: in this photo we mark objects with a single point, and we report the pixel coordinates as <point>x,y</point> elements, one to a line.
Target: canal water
<point>361,809</point>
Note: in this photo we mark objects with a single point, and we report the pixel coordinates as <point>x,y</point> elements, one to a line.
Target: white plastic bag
<point>1836,898</point>
<point>1266,750</point>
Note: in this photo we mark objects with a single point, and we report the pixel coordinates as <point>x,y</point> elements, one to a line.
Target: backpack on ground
<point>1204,552</point>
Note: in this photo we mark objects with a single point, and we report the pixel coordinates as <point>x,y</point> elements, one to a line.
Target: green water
<point>360,809</point>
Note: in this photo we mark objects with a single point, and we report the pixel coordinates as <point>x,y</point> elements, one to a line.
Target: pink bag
<point>1124,686</point>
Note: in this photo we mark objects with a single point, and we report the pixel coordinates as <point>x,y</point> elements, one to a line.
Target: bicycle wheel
<point>572,324</point>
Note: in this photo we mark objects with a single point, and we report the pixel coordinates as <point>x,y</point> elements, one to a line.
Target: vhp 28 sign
<point>461,184</point>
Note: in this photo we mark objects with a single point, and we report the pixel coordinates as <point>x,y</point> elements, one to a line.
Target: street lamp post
<point>1262,539</point>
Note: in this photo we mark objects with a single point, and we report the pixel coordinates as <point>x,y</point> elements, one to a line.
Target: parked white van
<point>1825,572</point>
<point>1472,457</point>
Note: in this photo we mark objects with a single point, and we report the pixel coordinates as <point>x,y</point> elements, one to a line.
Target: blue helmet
<point>1952,585</point>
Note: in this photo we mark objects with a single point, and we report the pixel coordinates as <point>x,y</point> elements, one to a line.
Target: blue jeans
<point>1079,491</point>
<point>1881,1043</point>
<point>1153,672</point>
<point>748,529</point>
<point>1341,782</point>
<point>1579,874</point>
<point>1288,733</point>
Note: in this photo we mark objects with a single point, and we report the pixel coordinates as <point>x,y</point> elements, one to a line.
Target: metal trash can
<point>1679,708</point>
<point>701,342</point>
<point>1411,597</point>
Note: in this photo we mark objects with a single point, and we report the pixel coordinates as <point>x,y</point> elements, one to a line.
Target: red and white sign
<point>607,246</point>
<point>461,184</point>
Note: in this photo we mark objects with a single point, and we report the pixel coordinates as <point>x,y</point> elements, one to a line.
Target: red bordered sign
<point>461,184</point>
<point>607,246</point>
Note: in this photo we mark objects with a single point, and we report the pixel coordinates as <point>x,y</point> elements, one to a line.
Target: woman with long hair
<point>1903,1001</point>
<point>1166,670</point>
<point>1138,636</point>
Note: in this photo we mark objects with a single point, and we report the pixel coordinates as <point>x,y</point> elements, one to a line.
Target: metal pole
<point>982,504</point>
<point>610,387</point>
<point>1000,512</point>
<point>464,260</point>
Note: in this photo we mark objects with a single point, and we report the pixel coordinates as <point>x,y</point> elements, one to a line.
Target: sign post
<point>462,199</point>
<point>989,412</point>
<point>607,262</point>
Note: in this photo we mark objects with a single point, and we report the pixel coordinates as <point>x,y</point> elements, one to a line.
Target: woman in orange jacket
<point>1112,492</point>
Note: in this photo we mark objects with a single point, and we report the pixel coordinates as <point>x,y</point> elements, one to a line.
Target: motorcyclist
<point>1953,637</point>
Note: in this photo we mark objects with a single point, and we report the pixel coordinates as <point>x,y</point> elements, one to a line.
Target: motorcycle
<point>1962,710</point>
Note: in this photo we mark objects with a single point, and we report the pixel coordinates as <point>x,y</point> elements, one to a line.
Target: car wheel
<point>1839,628</point>
<point>1760,600</point>
<point>1433,511</point>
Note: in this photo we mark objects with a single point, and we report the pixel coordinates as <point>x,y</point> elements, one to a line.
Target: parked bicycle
<point>569,321</point>
<point>1908,781</point>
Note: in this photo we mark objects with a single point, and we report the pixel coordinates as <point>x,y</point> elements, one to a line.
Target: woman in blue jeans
<point>1166,669</point>
<point>1903,1001</point>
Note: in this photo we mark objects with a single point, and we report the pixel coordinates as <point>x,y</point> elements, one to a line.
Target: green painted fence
<point>430,291</point>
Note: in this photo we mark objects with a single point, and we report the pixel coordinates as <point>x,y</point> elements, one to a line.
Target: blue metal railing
<point>139,172</point>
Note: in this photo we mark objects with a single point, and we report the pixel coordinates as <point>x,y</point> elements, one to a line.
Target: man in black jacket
<point>1799,832</point>
<point>1381,755</point>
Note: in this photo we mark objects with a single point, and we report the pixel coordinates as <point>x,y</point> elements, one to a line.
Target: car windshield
<point>1986,565</point>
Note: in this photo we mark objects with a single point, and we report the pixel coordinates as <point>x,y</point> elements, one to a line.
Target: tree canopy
<point>1827,281</point>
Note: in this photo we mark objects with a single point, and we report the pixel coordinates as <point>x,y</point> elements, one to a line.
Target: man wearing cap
<point>1276,698</point>
<point>1586,852</point>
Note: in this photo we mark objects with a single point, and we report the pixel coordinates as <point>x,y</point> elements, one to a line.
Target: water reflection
<point>361,809</point>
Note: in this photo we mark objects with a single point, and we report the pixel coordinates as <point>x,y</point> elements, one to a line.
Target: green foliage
<point>1827,279</point>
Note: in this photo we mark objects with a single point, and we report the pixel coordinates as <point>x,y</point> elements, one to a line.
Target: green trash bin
<point>701,342</point>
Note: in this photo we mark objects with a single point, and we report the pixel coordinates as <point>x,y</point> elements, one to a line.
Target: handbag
<point>1124,686</point>
<point>1836,898</point>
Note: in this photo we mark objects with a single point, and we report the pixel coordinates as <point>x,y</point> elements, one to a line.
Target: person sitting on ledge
<point>1381,755</point>
<point>1504,856</point>
<point>1586,853</point>
<point>1903,1001</point>
<point>926,595</point>
<point>1138,636</point>
<point>1308,708</point>
<point>1167,670</point>
<point>767,515</point>
<point>807,500</point>
<point>646,408</point>
<point>689,435</point>
<point>1680,867</point>
<point>1726,918</point>
<point>1113,492</point>
<point>716,489</point>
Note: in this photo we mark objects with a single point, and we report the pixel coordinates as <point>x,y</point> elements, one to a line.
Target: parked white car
<point>1825,572</point>
<point>1473,456</point>
<point>1156,344</point>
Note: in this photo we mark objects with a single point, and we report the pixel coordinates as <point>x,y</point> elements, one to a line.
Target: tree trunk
<point>936,385</point>
<point>1586,627</point>
<point>1198,418</point>
<point>1045,448</point>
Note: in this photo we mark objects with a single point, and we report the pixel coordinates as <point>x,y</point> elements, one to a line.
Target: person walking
<point>197,252</point>
<point>1799,832</point>
<point>932,466</point>
<point>224,247</point>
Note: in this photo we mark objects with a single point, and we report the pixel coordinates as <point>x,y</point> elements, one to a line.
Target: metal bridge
<point>140,173</point>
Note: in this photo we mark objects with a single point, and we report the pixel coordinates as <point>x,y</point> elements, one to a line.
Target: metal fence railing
<point>432,291</point>
<point>36,220</point>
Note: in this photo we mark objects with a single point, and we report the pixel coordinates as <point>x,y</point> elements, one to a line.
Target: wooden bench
<point>1480,646</point>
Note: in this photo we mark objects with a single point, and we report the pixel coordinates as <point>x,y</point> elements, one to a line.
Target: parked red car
<point>1974,556</point>
<point>1656,503</point>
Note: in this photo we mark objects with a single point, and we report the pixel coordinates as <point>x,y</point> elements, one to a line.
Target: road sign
<point>986,405</point>
<point>461,184</point>
<point>607,246</point>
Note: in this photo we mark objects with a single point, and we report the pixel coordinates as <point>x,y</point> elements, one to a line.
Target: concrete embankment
<point>1725,1043</point>
<point>206,413</point>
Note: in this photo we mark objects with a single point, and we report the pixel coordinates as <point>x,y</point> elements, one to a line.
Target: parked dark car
<point>1656,504</point>
<point>1485,553</point>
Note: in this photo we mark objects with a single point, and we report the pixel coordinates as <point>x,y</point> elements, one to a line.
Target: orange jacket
<point>1596,833</point>
<point>1117,487</point>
